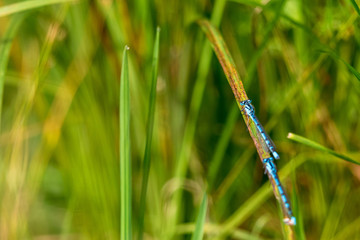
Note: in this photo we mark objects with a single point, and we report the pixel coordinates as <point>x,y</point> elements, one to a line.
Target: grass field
<point>118,122</point>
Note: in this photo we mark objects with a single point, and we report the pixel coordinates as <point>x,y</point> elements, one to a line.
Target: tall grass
<point>150,128</point>
<point>125,159</point>
<point>60,72</point>
<point>199,228</point>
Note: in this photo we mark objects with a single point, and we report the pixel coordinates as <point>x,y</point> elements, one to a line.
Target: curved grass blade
<point>125,160</point>
<point>200,221</point>
<point>225,60</point>
<point>233,78</point>
<point>355,6</point>
<point>317,146</point>
<point>150,127</point>
<point>335,56</point>
<point>5,47</point>
<point>28,5</point>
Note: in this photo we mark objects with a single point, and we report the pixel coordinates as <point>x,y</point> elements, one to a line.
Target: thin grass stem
<point>125,160</point>
<point>150,127</point>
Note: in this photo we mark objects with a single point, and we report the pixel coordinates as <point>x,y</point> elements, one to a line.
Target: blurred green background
<point>60,64</point>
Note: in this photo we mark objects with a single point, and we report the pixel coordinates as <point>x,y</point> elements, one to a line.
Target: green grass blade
<point>295,199</point>
<point>233,78</point>
<point>355,6</point>
<point>348,230</point>
<point>317,146</point>
<point>197,96</point>
<point>335,56</point>
<point>267,33</point>
<point>28,5</point>
<point>249,3</point>
<point>113,23</point>
<point>125,160</point>
<point>336,209</point>
<point>195,104</point>
<point>225,60</point>
<point>150,127</point>
<point>199,228</point>
<point>4,53</point>
<point>222,144</point>
<point>351,69</point>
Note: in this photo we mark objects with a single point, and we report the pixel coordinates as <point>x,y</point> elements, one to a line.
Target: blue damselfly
<point>271,170</point>
<point>250,111</point>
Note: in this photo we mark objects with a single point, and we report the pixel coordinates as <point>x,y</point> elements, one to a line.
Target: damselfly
<point>250,111</point>
<point>270,168</point>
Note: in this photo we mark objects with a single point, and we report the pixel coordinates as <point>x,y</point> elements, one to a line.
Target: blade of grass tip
<point>228,65</point>
<point>125,161</point>
<point>318,146</point>
<point>355,6</point>
<point>28,5</point>
<point>200,221</point>
<point>150,126</point>
<point>5,47</point>
<point>225,59</point>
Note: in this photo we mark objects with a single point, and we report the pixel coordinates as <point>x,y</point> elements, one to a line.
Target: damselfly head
<point>243,103</point>
<point>248,107</point>
<point>269,165</point>
<point>268,160</point>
